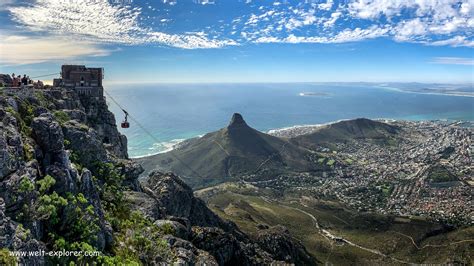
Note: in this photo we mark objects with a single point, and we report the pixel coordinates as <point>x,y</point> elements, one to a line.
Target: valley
<point>338,235</point>
<point>356,191</point>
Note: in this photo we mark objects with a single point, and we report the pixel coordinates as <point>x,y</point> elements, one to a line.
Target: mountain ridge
<point>239,151</point>
<point>346,131</point>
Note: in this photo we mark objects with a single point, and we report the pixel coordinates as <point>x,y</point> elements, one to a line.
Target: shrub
<point>111,191</point>
<point>26,111</point>
<point>48,206</point>
<point>24,129</point>
<point>139,239</point>
<point>28,151</point>
<point>66,142</point>
<point>6,258</point>
<point>26,185</point>
<point>45,184</point>
<point>61,116</point>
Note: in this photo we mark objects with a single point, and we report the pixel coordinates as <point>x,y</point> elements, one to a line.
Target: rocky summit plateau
<point>66,183</point>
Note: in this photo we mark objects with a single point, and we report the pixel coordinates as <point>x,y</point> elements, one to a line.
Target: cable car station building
<point>84,80</point>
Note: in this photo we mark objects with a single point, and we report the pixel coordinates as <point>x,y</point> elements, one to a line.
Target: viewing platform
<point>83,80</point>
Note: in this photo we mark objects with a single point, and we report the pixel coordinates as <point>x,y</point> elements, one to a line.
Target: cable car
<point>125,123</point>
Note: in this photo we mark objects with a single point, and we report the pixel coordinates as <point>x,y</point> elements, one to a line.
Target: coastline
<point>168,145</point>
<point>455,93</point>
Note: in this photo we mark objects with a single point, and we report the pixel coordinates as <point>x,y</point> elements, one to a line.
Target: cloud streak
<point>100,21</point>
<point>17,50</point>
<point>453,61</point>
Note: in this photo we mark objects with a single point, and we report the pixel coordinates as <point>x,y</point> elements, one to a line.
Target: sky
<point>174,41</point>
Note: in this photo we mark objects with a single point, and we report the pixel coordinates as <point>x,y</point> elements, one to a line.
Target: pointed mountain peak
<point>237,120</point>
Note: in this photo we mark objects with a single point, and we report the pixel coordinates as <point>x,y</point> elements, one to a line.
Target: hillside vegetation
<point>232,153</point>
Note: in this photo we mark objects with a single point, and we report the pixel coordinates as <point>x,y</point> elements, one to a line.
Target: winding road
<point>332,238</point>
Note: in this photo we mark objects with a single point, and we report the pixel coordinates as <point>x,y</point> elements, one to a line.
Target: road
<point>330,237</point>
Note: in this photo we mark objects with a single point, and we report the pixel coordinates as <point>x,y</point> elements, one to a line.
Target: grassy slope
<point>349,130</point>
<point>230,153</point>
<point>371,231</point>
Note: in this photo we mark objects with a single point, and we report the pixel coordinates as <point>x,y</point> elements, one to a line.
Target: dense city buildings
<point>426,171</point>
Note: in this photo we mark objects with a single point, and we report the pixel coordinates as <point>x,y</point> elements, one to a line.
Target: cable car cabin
<point>125,124</point>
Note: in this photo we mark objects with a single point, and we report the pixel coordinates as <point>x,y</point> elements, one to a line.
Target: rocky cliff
<point>66,184</point>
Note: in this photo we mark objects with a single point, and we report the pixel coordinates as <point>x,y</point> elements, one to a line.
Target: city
<point>426,171</point>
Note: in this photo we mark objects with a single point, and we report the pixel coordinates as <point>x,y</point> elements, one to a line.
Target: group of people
<point>19,81</point>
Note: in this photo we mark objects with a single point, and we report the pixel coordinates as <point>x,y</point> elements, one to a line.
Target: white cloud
<point>358,34</point>
<point>430,22</point>
<point>170,2</point>
<point>453,61</point>
<point>371,9</point>
<point>100,21</point>
<point>15,50</point>
<point>439,17</point>
<point>454,41</point>
<point>327,5</point>
<point>467,8</point>
<point>347,35</point>
<point>205,2</point>
<point>334,17</point>
<point>188,41</point>
<point>90,18</point>
<point>405,30</point>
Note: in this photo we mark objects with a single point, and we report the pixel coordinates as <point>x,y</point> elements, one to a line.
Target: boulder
<point>180,229</point>
<point>47,133</point>
<point>187,254</point>
<point>227,249</point>
<point>5,80</point>
<point>145,204</point>
<point>278,241</point>
<point>131,171</point>
<point>85,144</point>
<point>177,199</point>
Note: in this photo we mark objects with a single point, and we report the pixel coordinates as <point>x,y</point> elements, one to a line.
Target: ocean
<point>174,112</point>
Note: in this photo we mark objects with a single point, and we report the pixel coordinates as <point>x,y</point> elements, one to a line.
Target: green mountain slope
<point>231,153</point>
<point>347,131</point>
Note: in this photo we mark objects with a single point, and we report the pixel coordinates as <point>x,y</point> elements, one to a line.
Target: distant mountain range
<point>238,151</point>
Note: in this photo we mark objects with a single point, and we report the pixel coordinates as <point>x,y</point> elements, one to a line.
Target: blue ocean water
<point>172,112</point>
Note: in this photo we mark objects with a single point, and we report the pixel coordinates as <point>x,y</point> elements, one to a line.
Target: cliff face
<point>66,183</point>
<point>48,141</point>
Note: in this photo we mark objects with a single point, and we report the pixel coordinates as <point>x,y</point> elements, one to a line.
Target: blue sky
<point>243,40</point>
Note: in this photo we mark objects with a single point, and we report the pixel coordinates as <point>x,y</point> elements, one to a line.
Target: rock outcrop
<point>14,237</point>
<point>166,199</point>
<point>48,141</point>
<point>5,80</point>
<point>66,183</point>
<point>11,145</point>
<point>177,199</point>
<point>278,241</point>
